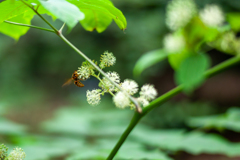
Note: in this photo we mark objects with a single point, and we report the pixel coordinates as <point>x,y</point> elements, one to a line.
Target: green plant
<point>193,35</point>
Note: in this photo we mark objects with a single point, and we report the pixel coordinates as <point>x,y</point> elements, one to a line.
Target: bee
<point>74,79</point>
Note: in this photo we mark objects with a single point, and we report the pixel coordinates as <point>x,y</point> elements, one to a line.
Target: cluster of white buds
<point>17,154</point>
<point>147,94</point>
<point>106,85</point>
<point>107,60</point>
<point>120,96</point>
<point>179,14</point>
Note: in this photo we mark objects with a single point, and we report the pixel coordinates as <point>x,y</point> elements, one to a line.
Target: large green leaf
<point>97,12</point>
<point>15,31</point>
<point>229,120</point>
<point>65,11</point>
<point>149,59</point>
<point>191,71</point>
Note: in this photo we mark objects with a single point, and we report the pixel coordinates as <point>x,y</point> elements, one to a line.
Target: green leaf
<point>149,59</point>
<point>191,70</point>
<point>95,20</point>
<point>64,11</point>
<point>175,60</point>
<point>193,142</point>
<point>15,31</point>
<point>233,19</point>
<point>99,13</point>
<point>10,10</point>
<point>229,120</point>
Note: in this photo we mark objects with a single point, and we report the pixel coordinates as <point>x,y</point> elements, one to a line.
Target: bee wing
<point>67,82</point>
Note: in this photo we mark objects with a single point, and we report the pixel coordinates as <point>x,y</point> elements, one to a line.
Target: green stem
<point>31,26</point>
<point>133,123</point>
<point>103,84</point>
<point>55,30</point>
<point>157,102</point>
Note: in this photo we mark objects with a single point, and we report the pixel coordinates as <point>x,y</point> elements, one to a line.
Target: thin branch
<point>31,26</point>
<point>56,31</point>
<point>60,30</point>
<point>157,102</point>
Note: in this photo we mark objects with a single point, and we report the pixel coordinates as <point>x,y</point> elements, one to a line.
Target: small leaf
<point>99,13</point>
<point>233,19</point>
<point>149,59</point>
<point>64,11</point>
<point>191,71</point>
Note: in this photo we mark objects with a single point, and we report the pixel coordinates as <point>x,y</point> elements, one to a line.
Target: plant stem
<point>103,84</point>
<point>157,102</point>
<point>133,123</point>
<point>55,30</point>
<point>31,26</point>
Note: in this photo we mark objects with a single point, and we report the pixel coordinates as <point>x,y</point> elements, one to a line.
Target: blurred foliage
<point>229,120</point>
<point>49,122</point>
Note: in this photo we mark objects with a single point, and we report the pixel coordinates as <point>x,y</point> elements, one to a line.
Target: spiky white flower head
<point>108,86</point>
<point>179,13</point>
<point>174,43</point>
<point>84,72</point>
<point>107,59</point>
<point>130,86</point>
<point>143,101</point>
<point>121,100</point>
<point>212,16</point>
<point>94,96</point>
<point>17,154</point>
<point>148,92</point>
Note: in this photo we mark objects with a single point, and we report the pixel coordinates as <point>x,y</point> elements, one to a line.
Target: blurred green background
<point>52,122</point>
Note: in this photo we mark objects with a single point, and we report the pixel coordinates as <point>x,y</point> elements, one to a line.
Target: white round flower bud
<point>174,43</point>
<point>179,13</point>
<point>130,86</point>
<point>108,86</point>
<point>107,59</point>
<point>84,72</point>
<point>212,16</point>
<point>121,100</point>
<point>148,92</point>
<point>94,97</point>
